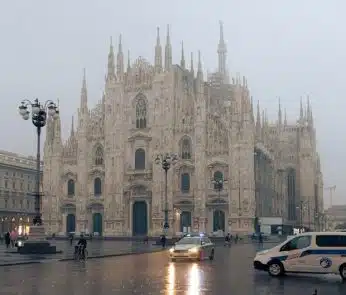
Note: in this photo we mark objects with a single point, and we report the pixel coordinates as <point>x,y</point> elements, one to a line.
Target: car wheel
<point>343,272</point>
<point>275,268</point>
<point>211,256</point>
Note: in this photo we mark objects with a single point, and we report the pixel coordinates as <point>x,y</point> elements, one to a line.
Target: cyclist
<point>81,246</point>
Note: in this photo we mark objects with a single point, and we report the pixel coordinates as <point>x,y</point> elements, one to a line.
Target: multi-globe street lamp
<point>166,160</point>
<point>38,113</point>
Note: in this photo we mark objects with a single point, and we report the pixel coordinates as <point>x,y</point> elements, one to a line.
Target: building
<point>104,178</point>
<point>17,186</point>
<point>336,217</point>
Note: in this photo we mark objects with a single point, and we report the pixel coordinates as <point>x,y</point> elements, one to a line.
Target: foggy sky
<point>284,48</point>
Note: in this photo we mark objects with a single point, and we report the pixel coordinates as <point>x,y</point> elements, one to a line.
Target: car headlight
<point>171,250</point>
<point>263,252</point>
<point>193,250</point>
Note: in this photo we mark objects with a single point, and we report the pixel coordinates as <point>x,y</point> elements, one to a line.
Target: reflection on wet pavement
<point>230,273</point>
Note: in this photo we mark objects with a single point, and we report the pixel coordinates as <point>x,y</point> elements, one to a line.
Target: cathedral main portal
<point>139,218</point>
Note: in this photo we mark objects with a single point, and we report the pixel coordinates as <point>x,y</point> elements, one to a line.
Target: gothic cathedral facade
<point>104,179</point>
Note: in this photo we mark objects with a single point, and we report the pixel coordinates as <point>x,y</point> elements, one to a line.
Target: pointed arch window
<point>218,178</point>
<point>70,188</point>
<point>141,114</point>
<point>186,149</point>
<point>98,156</point>
<point>97,186</point>
<point>185,183</point>
<point>140,159</point>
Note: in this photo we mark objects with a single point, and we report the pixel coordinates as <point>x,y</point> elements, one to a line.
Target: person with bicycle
<point>81,247</point>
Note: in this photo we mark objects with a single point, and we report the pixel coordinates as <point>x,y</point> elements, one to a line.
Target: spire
<point>182,61</point>
<point>309,116</point>
<point>111,64</point>
<point>120,60</point>
<point>222,51</point>
<point>128,62</point>
<point>199,70</point>
<point>191,66</point>
<point>158,53</point>
<point>168,51</point>
<point>301,117</point>
<point>280,113</point>
<point>258,122</point>
<point>72,127</point>
<point>84,95</point>
<point>285,120</point>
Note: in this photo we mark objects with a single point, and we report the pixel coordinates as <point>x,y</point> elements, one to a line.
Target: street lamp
<point>38,114</point>
<point>218,185</point>
<point>166,160</point>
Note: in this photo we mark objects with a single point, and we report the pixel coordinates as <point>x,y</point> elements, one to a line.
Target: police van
<point>310,252</point>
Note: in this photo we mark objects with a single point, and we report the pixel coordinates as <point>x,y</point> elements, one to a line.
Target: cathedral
<point>233,166</point>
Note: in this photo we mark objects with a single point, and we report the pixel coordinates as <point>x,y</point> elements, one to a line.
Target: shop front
<point>19,222</point>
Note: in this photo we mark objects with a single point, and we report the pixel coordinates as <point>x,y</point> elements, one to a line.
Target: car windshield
<point>189,240</point>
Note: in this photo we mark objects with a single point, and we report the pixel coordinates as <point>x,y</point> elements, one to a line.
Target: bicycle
<point>80,253</point>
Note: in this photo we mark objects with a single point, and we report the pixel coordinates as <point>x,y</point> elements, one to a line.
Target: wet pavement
<point>96,248</point>
<point>230,273</point>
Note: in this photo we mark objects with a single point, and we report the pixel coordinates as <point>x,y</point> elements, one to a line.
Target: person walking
<point>7,240</point>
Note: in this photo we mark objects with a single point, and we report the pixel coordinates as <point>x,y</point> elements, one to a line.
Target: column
<point>64,216</point>
<point>148,217</point>
<point>129,230</point>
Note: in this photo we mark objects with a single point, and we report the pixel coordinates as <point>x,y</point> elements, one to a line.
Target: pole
<point>166,225</point>
<point>219,212</point>
<point>37,219</point>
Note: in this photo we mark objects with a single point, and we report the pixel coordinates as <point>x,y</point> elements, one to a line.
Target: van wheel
<point>276,269</point>
<point>211,257</point>
<point>343,272</point>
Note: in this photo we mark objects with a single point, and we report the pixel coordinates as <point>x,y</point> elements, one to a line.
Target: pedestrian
<point>163,241</point>
<point>71,239</point>
<point>7,240</point>
<point>228,240</point>
<point>260,240</point>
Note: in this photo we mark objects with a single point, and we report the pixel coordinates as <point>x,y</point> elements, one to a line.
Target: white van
<point>310,252</point>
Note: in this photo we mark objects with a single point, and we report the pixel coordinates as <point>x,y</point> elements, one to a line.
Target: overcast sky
<point>285,48</point>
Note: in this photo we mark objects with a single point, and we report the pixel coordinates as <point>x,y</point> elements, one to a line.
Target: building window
<point>186,149</point>
<point>97,186</point>
<point>6,184</point>
<point>27,204</point>
<point>218,178</point>
<point>13,203</point>
<point>140,159</point>
<point>70,187</point>
<point>21,186</point>
<point>99,156</point>
<point>141,114</point>
<point>13,185</point>
<point>21,204</point>
<point>6,203</point>
<point>185,182</point>
<point>29,187</point>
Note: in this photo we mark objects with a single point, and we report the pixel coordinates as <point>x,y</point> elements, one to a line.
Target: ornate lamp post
<point>218,185</point>
<point>166,160</point>
<point>38,113</point>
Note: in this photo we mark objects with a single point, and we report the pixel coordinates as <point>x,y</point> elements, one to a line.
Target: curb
<point>21,263</point>
<point>91,257</point>
<point>116,255</point>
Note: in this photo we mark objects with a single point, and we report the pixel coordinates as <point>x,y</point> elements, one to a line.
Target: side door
<point>291,253</point>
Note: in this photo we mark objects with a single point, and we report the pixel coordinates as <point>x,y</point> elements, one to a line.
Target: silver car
<point>192,248</point>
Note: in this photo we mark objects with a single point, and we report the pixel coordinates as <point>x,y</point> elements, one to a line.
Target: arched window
<point>186,149</point>
<point>218,178</point>
<point>98,156</point>
<point>140,159</point>
<point>185,183</point>
<point>97,186</point>
<point>70,187</point>
<point>141,114</point>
